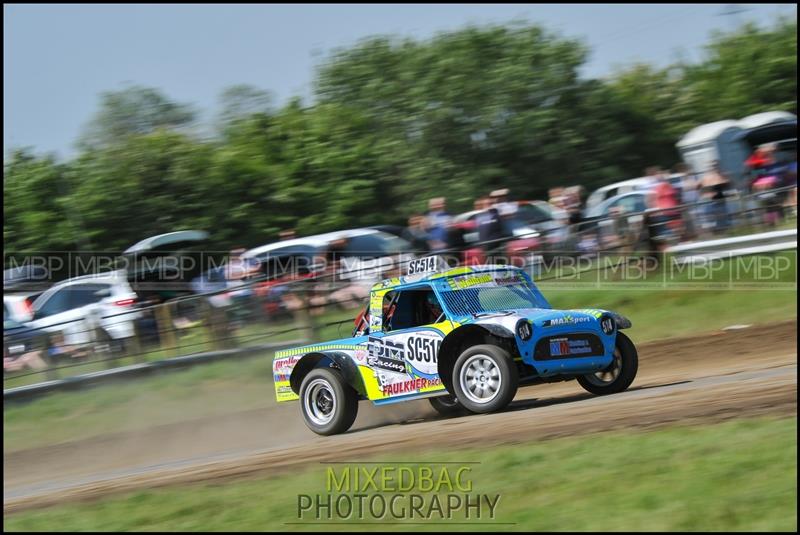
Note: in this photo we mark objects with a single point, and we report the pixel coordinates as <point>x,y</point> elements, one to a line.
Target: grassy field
<point>738,475</point>
<point>657,311</point>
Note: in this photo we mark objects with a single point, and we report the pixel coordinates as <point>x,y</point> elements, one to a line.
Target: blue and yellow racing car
<point>464,337</point>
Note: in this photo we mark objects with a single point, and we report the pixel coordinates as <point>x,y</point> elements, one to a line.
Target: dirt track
<point>716,376</point>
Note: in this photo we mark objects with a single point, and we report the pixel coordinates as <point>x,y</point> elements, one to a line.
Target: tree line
<point>393,122</point>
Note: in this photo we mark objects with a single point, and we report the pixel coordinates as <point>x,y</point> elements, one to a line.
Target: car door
<point>403,354</point>
<point>87,298</point>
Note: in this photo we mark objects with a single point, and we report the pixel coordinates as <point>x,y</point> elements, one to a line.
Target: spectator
<point>31,360</point>
<point>499,200</point>
<point>490,225</point>
<point>437,222</point>
<point>59,348</point>
<point>416,234</point>
<point>714,185</point>
<point>651,175</point>
<point>689,195</point>
<point>491,228</point>
<point>572,204</point>
<point>288,234</point>
<point>553,194</point>
<point>664,198</point>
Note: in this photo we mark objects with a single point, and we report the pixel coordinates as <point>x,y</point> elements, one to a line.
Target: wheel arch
<point>621,321</point>
<point>466,336</point>
<point>340,361</point>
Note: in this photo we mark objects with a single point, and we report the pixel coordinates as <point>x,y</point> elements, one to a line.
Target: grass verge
<point>737,475</point>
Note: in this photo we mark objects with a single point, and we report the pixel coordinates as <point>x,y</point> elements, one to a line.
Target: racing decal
<point>607,325</point>
<point>361,355</point>
<point>376,310</point>
<point>569,346</point>
<point>484,280</point>
<point>410,386</point>
<point>429,264</point>
<point>591,311</point>
<point>462,283</point>
<point>282,368</point>
<point>567,319</point>
<point>386,355</point>
<point>422,350</point>
<point>314,348</point>
<point>510,279</point>
<point>564,346</point>
<point>404,363</point>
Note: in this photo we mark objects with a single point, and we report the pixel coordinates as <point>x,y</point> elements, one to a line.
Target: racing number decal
<point>421,353</point>
<point>423,265</point>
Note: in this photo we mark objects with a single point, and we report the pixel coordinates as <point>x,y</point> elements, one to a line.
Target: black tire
<point>447,405</point>
<point>488,358</point>
<point>625,366</point>
<point>329,405</point>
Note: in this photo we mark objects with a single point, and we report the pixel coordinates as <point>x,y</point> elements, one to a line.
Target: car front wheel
<point>619,375</point>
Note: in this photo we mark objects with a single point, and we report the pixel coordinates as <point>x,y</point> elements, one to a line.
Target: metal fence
<point>264,312</point>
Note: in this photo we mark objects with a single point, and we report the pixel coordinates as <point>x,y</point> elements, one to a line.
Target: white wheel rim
<point>610,374</point>
<point>480,379</point>
<point>320,402</point>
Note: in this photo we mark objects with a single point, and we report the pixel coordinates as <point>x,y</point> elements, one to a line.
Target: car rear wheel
<point>485,379</point>
<point>619,375</point>
<point>447,405</point>
<point>329,405</point>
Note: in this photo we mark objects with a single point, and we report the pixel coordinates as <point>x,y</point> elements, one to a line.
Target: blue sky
<point>59,58</point>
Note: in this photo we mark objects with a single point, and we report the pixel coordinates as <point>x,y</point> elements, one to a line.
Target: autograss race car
<point>464,337</point>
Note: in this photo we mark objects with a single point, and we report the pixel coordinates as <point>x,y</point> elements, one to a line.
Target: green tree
<point>241,101</point>
<point>37,216</point>
<point>751,70</point>
<point>134,110</point>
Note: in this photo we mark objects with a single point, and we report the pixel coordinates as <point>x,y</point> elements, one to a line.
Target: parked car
<point>601,195</point>
<point>551,222</point>
<point>19,307</point>
<point>617,220</point>
<point>78,307</point>
<point>364,255</point>
<point>163,266</point>
<point>21,286</point>
<point>420,245</point>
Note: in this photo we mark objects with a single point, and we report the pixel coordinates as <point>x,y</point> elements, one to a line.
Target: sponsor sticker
<point>468,281</point>
<point>410,386</point>
<point>566,320</point>
<point>386,354</point>
<point>567,346</point>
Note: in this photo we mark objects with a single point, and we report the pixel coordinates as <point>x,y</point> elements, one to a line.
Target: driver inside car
<point>431,309</point>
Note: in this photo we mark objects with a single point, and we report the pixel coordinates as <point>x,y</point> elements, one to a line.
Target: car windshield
<point>489,292</point>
